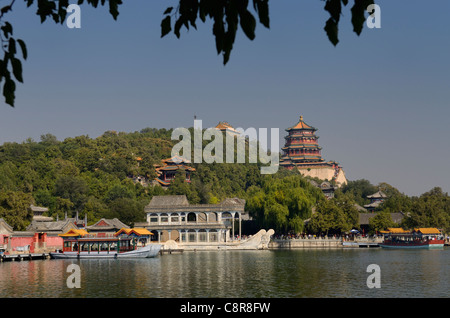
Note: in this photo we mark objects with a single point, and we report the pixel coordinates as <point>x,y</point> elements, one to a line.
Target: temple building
<point>225,127</point>
<point>38,213</point>
<point>327,188</point>
<point>375,200</point>
<point>168,169</point>
<point>41,236</point>
<point>171,217</point>
<point>106,227</point>
<point>302,152</point>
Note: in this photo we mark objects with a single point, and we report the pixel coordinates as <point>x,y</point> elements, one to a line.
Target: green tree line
<point>431,209</point>
<point>89,175</point>
<point>93,176</point>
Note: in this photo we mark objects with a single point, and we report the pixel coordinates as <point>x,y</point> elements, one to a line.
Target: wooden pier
<point>305,243</point>
<point>170,251</point>
<point>360,244</point>
<point>23,257</point>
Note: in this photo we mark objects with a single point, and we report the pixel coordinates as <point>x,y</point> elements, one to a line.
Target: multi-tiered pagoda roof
<point>301,146</point>
<point>302,151</point>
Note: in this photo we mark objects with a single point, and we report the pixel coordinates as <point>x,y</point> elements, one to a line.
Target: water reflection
<point>262,274</point>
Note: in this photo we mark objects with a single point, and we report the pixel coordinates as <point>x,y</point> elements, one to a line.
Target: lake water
<point>312,273</point>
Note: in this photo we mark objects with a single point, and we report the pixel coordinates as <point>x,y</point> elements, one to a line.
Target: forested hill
<point>81,173</point>
<point>93,176</point>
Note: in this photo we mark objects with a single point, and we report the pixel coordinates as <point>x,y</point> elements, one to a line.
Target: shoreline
<point>264,242</point>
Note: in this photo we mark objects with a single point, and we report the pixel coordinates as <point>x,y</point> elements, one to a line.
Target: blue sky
<point>380,100</point>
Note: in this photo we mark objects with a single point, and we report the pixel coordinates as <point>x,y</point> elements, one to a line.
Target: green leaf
<point>55,17</point>
<point>62,9</point>
<point>17,69</point>
<point>207,8</point>
<point>113,8</point>
<point>331,26</point>
<point>94,3</point>
<point>358,17</point>
<point>248,24</point>
<point>7,29</point>
<point>23,47</point>
<point>228,41</point>
<point>45,8</point>
<point>334,8</point>
<point>177,27</point>
<point>8,91</point>
<point>232,20</point>
<point>262,7</point>
<point>219,32</point>
<point>2,69</point>
<point>12,46</point>
<point>191,12</point>
<point>332,31</point>
<point>168,10</point>
<point>165,26</point>
<point>5,9</point>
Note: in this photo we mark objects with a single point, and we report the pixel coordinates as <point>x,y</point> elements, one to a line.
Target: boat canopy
<point>141,231</point>
<point>422,230</point>
<point>395,230</point>
<point>74,233</point>
<point>427,230</point>
<point>134,231</point>
<point>122,231</point>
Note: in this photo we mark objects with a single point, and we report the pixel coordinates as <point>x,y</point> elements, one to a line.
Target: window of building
<point>202,236</point>
<point>213,237</point>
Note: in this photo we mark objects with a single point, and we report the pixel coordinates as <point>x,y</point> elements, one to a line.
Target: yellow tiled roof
<point>122,230</point>
<point>428,230</point>
<point>162,182</point>
<point>74,232</point>
<point>138,231</point>
<point>397,230</point>
<point>302,125</point>
<point>223,126</point>
<point>141,231</point>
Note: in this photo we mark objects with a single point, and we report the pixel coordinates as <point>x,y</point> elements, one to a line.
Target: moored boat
<point>78,244</point>
<point>421,238</point>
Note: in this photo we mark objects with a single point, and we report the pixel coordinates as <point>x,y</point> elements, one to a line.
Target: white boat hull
<point>148,251</point>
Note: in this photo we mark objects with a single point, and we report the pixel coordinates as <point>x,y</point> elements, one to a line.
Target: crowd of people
<point>304,236</point>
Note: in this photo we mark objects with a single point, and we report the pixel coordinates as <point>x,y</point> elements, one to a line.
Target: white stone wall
<point>324,173</point>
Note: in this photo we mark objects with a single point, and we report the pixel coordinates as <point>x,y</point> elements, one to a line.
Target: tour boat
<point>425,238</point>
<point>87,247</point>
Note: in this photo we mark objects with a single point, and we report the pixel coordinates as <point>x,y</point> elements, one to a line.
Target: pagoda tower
<point>301,146</point>
<point>301,151</point>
